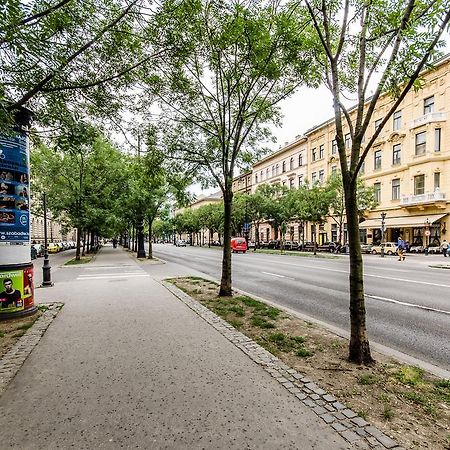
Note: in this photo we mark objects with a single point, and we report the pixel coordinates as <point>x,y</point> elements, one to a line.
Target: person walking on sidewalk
<point>401,249</point>
<point>444,247</point>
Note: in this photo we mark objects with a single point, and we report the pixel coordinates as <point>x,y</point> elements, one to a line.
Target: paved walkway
<point>125,364</point>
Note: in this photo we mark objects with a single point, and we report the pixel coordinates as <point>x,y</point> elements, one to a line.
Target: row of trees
<point>94,187</point>
<point>218,70</point>
<point>277,205</point>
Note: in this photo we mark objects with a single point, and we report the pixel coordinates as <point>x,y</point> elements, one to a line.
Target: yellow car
<point>53,248</point>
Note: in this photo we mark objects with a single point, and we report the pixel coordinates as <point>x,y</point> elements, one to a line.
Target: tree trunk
<point>92,241</point>
<point>359,348</point>
<point>225,283</point>
<point>78,250</point>
<point>150,247</point>
<point>315,239</point>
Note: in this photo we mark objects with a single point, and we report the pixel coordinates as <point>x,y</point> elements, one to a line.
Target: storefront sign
<point>14,189</point>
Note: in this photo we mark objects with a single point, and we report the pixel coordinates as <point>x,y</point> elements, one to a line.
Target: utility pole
<point>46,268</point>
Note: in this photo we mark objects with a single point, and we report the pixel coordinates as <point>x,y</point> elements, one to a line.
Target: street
<point>408,303</point>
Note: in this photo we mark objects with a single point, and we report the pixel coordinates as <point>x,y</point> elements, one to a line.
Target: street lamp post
<point>427,236</point>
<point>383,217</point>
<point>46,268</point>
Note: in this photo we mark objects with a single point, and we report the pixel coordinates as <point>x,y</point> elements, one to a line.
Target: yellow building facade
<point>408,166</point>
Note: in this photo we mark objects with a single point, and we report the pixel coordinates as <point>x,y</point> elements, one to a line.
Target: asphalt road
<point>408,303</point>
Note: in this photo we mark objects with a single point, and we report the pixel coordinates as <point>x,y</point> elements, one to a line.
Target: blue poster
<point>14,189</point>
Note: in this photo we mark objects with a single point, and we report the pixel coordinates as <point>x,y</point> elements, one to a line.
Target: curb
<point>13,360</point>
<point>354,429</point>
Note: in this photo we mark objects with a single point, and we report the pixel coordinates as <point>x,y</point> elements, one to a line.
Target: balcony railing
<point>422,198</point>
<point>428,118</point>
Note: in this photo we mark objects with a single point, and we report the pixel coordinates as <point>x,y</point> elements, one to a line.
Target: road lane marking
<point>398,302</point>
<point>368,275</point>
<point>277,275</point>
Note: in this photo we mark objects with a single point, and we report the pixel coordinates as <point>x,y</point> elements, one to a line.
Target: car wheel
<point>374,252</point>
<point>389,253</point>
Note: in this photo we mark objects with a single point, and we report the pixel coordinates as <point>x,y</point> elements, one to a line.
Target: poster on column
<point>14,189</point>
<point>16,290</point>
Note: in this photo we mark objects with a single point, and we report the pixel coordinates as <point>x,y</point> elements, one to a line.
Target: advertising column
<point>16,269</point>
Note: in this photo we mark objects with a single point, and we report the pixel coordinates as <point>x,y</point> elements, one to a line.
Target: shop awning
<point>401,222</point>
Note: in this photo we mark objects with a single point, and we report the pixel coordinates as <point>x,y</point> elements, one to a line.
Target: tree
<point>379,45</point>
<point>67,55</point>
<point>82,173</point>
<point>237,62</point>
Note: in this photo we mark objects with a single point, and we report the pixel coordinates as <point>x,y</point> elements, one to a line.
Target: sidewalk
<point>125,364</point>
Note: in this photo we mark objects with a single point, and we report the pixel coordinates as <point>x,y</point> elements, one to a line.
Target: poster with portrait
<point>11,291</point>
<point>14,189</point>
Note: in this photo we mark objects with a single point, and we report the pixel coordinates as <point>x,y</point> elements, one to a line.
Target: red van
<point>238,244</point>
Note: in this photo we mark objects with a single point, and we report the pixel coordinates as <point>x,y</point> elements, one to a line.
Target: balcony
<point>429,118</point>
<point>417,200</point>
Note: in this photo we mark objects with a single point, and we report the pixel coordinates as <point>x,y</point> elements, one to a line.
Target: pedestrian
<point>444,247</point>
<point>401,249</point>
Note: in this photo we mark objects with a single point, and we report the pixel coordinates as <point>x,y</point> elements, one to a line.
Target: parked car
<point>366,248</point>
<point>33,252</point>
<point>435,249</point>
<point>390,248</point>
<point>238,244</point>
<point>53,248</point>
<point>39,249</point>
<point>180,243</point>
<point>273,244</point>
<point>291,245</point>
<point>251,244</point>
<point>417,249</point>
<point>327,247</point>
<point>307,247</point>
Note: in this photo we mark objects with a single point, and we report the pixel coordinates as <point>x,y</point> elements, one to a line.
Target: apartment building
<point>242,184</point>
<point>408,166</point>
<point>55,231</point>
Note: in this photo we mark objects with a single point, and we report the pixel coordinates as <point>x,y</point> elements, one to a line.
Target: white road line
<point>274,274</point>
<point>277,275</point>
<point>367,275</point>
<point>391,300</point>
<point>108,267</point>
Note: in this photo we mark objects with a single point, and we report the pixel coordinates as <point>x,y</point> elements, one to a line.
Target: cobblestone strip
<point>11,362</point>
<point>354,429</point>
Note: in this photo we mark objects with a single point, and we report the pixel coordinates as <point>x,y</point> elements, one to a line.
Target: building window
<point>291,183</point>
<point>334,148</point>
<point>291,164</point>
<point>437,180</point>
<point>397,120</point>
<point>377,192</point>
<point>277,169</point>
<point>419,185</point>
<point>256,179</point>
<point>421,143</point>
<point>377,160</point>
<point>313,154</point>
<point>300,159</point>
<point>396,154</point>
<point>283,167</point>
<point>273,171</point>
<point>333,170</point>
<point>428,105</point>
<point>396,189</point>
<point>334,231</point>
<point>377,124</point>
<point>300,180</point>
<point>261,175</point>
<point>348,140</point>
<point>321,151</point>
<point>284,182</point>
<point>321,176</point>
<point>314,178</point>
<point>437,140</point>
<point>267,173</point>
